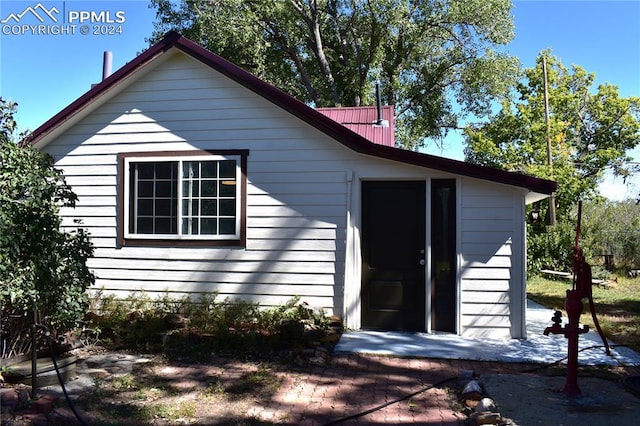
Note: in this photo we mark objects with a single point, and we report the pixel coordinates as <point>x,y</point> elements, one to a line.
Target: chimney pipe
<point>378,104</point>
<point>107,62</point>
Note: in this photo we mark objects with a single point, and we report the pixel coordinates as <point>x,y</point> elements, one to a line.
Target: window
<point>194,197</point>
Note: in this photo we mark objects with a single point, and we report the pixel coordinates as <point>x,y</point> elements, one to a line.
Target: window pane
<point>227,226</point>
<point>209,169</point>
<point>154,197</point>
<point>166,170</point>
<point>190,169</point>
<point>227,188</point>
<point>145,207</point>
<point>164,207</point>
<point>165,188</point>
<point>163,226</point>
<point>209,227</point>
<point>209,208</point>
<point>209,188</point>
<point>213,179</point>
<point>227,207</point>
<point>194,207</point>
<point>145,170</point>
<point>191,188</point>
<point>228,169</point>
<point>145,189</point>
<point>144,225</point>
<point>190,226</point>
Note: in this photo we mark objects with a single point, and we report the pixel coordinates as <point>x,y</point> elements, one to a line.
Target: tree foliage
<point>613,228</point>
<point>41,266</point>
<point>436,59</point>
<point>590,129</point>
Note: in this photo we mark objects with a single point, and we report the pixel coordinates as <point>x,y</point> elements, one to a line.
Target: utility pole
<point>552,199</point>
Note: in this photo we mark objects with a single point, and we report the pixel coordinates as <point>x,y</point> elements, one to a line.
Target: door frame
<point>352,302</point>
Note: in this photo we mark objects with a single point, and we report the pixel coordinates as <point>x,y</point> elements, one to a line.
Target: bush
<point>42,267</point>
<point>613,228</point>
<point>552,249</point>
<point>204,324</point>
<point>607,228</point>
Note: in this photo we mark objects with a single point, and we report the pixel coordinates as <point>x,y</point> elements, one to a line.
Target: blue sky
<point>44,73</point>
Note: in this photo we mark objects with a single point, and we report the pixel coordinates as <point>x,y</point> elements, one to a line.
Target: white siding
<point>303,201</point>
<point>296,203</point>
<point>491,263</point>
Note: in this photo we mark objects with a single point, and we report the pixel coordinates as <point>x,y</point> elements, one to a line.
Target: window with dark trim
<point>183,198</point>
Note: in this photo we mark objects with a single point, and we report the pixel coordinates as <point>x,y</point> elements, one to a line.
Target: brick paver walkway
<point>389,390</point>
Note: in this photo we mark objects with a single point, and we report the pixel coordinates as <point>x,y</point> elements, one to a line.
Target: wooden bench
<point>569,275</point>
<point>557,274</point>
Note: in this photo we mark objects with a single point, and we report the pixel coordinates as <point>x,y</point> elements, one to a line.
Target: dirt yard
<point>536,400</point>
<point>131,389</point>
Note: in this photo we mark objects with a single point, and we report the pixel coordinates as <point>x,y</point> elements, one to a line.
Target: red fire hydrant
<point>571,331</point>
<point>573,305</point>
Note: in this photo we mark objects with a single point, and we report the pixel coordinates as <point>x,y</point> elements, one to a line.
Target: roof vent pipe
<point>378,104</point>
<point>107,63</point>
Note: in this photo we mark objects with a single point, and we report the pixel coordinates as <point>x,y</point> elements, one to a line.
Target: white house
<point>195,176</point>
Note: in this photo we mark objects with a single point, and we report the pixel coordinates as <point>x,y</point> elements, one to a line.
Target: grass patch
<point>184,410</point>
<point>260,381</point>
<point>124,382</point>
<point>617,306</point>
<point>214,389</point>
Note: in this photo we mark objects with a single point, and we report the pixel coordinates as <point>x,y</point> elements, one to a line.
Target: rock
<point>44,404</point>
<point>471,403</point>
<point>335,321</point>
<point>317,360</point>
<point>175,321</point>
<point>9,398</point>
<point>134,316</point>
<point>485,419</point>
<point>484,405</point>
<point>472,390</point>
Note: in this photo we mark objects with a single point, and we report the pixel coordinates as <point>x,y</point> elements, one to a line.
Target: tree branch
<point>314,26</point>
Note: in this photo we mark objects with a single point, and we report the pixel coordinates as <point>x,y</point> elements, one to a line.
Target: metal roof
<point>364,121</point>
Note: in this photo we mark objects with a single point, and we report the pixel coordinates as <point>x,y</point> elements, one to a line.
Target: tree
<point>613,228</point>
<point>590,129</point>
<point>41,266</point>
<point>436,59</point>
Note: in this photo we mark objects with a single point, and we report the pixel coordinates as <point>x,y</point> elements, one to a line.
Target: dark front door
<point>393,247</point>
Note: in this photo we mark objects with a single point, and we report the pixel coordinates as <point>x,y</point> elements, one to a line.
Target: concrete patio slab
<point>537,348</point>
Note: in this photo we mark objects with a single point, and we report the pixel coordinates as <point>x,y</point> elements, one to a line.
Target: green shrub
<point>607,227</point>
<point>42,266</point>
<point>225,326</point>
<point>551,249</point>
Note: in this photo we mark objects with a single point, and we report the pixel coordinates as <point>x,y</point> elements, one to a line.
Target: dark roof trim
<point>287,102</point>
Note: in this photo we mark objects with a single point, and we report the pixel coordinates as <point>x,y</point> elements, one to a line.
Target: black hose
<point>61,380</point>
